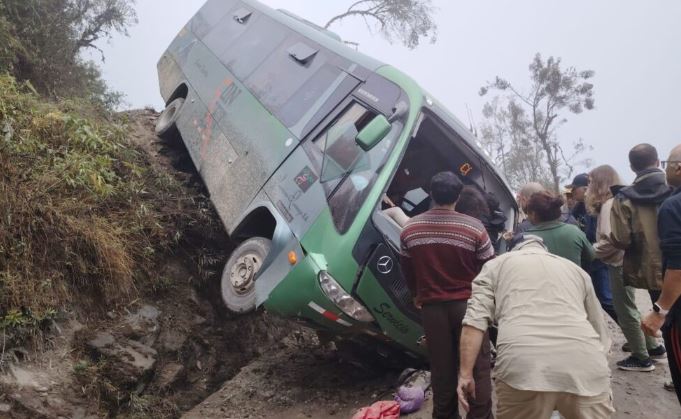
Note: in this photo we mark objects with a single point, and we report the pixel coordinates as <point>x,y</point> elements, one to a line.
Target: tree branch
<point>354,13</point>
<point>520,96</point>
<point>357,3</point>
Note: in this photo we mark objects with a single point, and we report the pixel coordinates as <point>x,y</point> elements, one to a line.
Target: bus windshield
<point>347,171</point>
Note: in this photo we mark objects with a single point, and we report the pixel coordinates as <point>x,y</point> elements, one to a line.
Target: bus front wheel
<point>166,125</point>
<point>238,278</point>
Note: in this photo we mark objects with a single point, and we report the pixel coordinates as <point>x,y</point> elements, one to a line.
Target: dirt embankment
<point>157,356</point>
<point>167,351</point>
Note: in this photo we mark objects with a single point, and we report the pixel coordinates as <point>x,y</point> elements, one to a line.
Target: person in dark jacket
<point>588,223</point>
<point>472,203</point>
<point>666,312</point>
<point>494,221</point>
<point>579,186</point>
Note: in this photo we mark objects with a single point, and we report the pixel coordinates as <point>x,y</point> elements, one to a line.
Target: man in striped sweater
<point>442,252</point>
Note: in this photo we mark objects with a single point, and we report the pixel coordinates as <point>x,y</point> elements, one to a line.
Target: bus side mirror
<point>373,133</point>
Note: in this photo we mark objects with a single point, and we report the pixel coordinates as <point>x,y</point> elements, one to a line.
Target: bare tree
<point>505,135</point>
<point>407,20</point>
<point>537,115</point>
<point>97,19</point>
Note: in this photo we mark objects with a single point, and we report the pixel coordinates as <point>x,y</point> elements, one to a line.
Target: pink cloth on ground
<point>379,410</point>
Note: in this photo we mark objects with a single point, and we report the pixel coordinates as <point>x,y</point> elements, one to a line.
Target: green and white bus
<point>298,139</point>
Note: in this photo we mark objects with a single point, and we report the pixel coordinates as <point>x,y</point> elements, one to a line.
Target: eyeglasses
<point>668,162</point>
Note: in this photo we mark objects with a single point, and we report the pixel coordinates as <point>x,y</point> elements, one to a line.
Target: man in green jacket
<point>634,220</point>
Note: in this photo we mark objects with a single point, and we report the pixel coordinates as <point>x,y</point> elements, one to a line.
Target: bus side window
<point>337,143</point>
<point>304,98</point>
<point>251,50</point>
<point>225,32</point>
<point>291,80</point>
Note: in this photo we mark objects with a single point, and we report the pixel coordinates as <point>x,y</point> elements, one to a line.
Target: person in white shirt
<point>553,339</point>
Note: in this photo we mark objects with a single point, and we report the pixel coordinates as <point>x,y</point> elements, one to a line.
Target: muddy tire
<point>238,278</point>
<point>166,125</point>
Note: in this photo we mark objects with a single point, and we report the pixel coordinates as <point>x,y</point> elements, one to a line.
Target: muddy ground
<point>301,382</point>
<point>179,354</point>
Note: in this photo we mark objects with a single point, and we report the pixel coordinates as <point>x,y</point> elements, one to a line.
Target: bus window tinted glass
<point>348,172</point>
<point>226,32</point>
<point>352,192</point>
<point>247,52</point>
<point>210,14</point>
<point>341,152</point>
<point>281,75</point>
<point>306,96</point>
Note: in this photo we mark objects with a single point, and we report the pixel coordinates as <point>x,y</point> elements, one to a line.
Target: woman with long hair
<point>604,184</point>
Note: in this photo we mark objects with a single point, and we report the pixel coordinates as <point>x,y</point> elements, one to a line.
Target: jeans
<point>600,278</point>
<point>629,316</point>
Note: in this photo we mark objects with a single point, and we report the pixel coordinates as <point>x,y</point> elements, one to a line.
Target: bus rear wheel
<point>238,278</point>
<point>166,125</point>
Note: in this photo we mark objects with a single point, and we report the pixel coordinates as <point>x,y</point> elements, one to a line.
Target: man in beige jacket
<point>552,340</point>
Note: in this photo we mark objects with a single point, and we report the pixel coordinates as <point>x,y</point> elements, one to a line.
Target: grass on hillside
<point>83,215</point>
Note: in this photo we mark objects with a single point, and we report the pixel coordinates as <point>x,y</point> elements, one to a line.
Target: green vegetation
<point>83,215</point>
<point>43,41</point>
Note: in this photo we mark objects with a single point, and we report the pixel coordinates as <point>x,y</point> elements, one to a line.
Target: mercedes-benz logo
<point>385,265</point>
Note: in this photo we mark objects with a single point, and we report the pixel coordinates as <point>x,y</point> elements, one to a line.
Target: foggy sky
<point>633,47</point>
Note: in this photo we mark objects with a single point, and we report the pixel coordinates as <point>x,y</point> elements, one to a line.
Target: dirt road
<point>299,379</point>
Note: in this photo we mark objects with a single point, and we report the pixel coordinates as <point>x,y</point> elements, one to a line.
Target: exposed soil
<point>178,353</point>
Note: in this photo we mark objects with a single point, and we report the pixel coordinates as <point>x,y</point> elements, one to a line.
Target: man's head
<point>445,188</point>
<point>673,167</point>
<point>642,157</point>
<point>526,192</point>
<point>578,187</point>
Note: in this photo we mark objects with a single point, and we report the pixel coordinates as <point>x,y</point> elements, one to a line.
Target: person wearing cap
<point>588,223</point>
<point>578,189</point>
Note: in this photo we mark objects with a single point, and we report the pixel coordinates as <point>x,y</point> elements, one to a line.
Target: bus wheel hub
<point>243,272</point>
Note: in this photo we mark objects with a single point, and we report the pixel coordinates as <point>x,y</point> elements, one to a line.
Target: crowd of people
<point>575,256</point>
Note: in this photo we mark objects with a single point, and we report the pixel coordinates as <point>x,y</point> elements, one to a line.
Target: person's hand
<point>466,391</point>
<point>389,202</point>
<point>651,324</point>
<point>417,303</point>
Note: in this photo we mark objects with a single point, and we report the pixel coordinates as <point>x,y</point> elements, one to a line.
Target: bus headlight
<point>342,299</point>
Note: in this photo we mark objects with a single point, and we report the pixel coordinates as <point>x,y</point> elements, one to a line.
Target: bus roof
<point>317,34</point>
